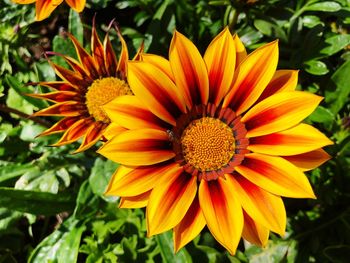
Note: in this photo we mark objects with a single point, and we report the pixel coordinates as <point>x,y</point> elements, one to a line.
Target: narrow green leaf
<point>338,93</point>
<point>13,170</point>
<point>61,246</point>
<point>21,90</point>
<point>165,243</point>
<point>75,26</point>
<point>327,6</point>
<point>38,203</point>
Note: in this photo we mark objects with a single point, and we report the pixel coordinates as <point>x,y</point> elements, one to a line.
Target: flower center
<point>209,141</point>
<point>103,91</point>
<point>207,144</point>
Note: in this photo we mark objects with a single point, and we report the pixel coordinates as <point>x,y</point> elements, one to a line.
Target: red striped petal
<point>299,139</point>
<point>169,202</point>
<point>138,147</point>
<point>156,91</point>
<point>128,181</point>
<point>310,160</point>
<point>137,201</point>
<point>131,113</point>
<point>67,109</point>
<point>190,226</point>
<point>189,70</point>
<point>276,175</point>
<point>222,212</point>
<point>279,112</point>
<point>254,232</point>
<point>220,58</point>
<point>283,80</point>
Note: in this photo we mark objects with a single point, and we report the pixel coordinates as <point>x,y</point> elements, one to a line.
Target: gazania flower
<point>213,141</point>
<point>45,7</point>
<point>93,81</point>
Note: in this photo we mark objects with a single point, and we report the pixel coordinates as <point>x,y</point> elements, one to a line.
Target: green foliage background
<point>52,207</point>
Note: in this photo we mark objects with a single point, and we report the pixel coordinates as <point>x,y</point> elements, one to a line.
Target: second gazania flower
<point>213,141</point>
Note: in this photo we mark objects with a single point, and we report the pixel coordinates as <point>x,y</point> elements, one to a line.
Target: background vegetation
<point>52,207</point>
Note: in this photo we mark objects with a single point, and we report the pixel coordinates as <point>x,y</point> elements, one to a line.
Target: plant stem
<point>23,115</point>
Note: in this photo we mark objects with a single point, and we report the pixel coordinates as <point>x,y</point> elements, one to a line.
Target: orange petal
<point>45,7</point>
<point>189,227</point>
<point>110,58</point>
<point>67,109</point>
<point>189,70</point>
<point>299,139</point>
<point>124,56</point>
<point>85,59</point>
<point>155,90</point>
<point>170,201</point>
<point>283,80</point>
<point>23,2</point>
<point>128,181</point>
<point>252,77</point>
<point>220,58</point>
<point>76,131</point>
<point>93,135</point>
<point>222,212</point>
<point>98,51</point>
<point>138,147</point>
<point>77,5</point>
<point>264,208</point>
<point>73,78</point>
<point>159,62</point>
<point>241,53</point>
<point>131,113</point>
<point>310,160</point>
<point>57,85</point>
<point>57,96</point>
<point>253,232</point>
<point>276,175</point>
<point>137,201</point>
<point>112,130</point>
<point>139,52</point>
<point>279,112</point>
<point>60,126</point>
<point>75,65</point>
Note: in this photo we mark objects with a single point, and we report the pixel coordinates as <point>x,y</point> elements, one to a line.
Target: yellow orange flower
<point>213,141</point>
<point>93,81</point>
<point>45,7</point>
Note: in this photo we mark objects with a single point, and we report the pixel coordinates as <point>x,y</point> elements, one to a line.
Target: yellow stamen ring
<point>209,141</point>
<point>103,91</point>
<point>207,144</point>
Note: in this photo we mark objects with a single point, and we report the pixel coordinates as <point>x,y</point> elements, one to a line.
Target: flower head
<point>93,81</point>
<point>44,8</point>
<point>213,141</point>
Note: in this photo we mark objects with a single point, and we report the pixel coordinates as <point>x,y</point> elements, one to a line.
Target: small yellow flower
<point>93,81</point>
<point>213,141</point>
<point>45,7</point>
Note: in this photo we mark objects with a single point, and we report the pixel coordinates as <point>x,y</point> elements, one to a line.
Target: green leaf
<point>87,202</point>
<point>37,203</point>
<point>21,90</point>
<point>335,44</point>
<point>338,94</point>
<point>270,29</point>
<point>165,243</point>
<point>311,21</point>
<point>316,67</point>
<point>101,172</point>
<point>326,6</point>
<point>322,115</point>
<point>61,246</point>
<point>75,26</point>
<point>13,170</point>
